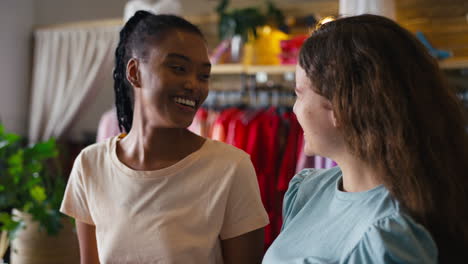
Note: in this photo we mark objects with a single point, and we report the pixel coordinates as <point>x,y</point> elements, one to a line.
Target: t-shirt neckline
<point>186,161</point>
<point>354,196</point>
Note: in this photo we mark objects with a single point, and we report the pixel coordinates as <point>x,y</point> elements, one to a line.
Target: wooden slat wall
<point>443,22</point>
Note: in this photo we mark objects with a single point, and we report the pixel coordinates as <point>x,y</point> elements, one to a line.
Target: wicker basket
<point>32,246</point>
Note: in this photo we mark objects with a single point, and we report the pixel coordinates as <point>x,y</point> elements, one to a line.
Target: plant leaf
<point>38,193</point>
<point>15,163</point>
<point>44,150</point>
<point>7,222</point>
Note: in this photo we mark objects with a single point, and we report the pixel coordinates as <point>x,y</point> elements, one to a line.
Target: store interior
<point>58,58</point>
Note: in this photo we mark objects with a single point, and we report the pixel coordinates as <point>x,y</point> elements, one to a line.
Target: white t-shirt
<point>177,214</point>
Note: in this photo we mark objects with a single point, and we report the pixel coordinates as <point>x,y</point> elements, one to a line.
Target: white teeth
<point>185,101</point>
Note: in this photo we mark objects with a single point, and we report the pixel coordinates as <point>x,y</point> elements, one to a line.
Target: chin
<point>186,124</point>
<point>313,150</point>
<point>309,152</point>
<point>183,124</point>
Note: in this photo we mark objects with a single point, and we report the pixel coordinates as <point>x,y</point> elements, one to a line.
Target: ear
<point>334,120</point>
<point>133,72</point>
<point>329,108</point>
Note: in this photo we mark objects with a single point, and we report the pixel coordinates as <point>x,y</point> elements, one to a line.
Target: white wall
<point>63,11</point>
<point>16,23</point>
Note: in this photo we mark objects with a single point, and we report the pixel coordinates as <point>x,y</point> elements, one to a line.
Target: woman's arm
<point>88,244</point>
<point>246,249</point>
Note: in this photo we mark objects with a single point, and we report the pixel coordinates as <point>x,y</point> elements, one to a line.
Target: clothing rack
<point>255,91</point>
<point>250,99</point>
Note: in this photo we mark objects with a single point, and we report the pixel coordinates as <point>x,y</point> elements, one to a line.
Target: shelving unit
<point>452,63</point>
<point>251,69</point>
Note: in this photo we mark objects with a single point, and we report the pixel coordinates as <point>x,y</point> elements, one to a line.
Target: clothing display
<point>340,233</point>
<point>177,214</point>
<point>273,138</point>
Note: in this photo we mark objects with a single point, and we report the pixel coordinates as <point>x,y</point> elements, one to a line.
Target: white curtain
<point>376,7</point>
<point>68,64</point>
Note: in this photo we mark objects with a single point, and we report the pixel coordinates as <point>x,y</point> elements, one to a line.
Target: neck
<point>357,175</point>
<point>149,147</point>
<point>154,141</point>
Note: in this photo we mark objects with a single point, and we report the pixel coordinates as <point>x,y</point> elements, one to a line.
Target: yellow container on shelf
<point>265,49</point>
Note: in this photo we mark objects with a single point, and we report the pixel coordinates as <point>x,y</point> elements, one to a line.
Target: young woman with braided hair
<point>161,194</point>
<point>370,97</point>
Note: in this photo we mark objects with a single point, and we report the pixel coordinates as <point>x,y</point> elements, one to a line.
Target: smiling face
<point>171,82</point>
<point>315,115</point>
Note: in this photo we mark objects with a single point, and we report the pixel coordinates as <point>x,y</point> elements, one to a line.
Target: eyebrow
<point>185,58</point>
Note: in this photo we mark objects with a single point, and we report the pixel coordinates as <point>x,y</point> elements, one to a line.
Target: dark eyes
<point>178,69</point>
<point>205,77</point>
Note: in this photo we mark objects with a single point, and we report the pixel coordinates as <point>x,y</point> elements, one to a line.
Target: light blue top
<point>325,225</point>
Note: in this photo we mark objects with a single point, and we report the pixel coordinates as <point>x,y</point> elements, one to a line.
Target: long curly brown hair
<point>398,114</point>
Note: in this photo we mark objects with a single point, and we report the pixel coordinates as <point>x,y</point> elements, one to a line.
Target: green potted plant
<point>238,25</point>
<point>245,21</point>
<point>31,189</point>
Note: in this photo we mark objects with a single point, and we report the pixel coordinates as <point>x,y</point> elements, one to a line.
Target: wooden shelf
<point>270,69</point>
<point>228,69</point>
<point>453,63</point>
<point>251,69</point>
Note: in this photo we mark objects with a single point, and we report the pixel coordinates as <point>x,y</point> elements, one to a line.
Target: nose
<point>193,84</point>
<point>190,84</point>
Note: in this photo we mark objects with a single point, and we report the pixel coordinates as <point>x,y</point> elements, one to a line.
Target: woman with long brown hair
<point>370,97</point>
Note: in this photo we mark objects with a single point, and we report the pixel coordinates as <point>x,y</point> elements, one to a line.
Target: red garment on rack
<point>221,125</point>
<point>287,168</point>
<point>262,145</point>
<point>237,131</point>
<point>290,157</point>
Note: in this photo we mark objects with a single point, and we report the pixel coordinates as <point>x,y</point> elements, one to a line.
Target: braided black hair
<point>134,39</point>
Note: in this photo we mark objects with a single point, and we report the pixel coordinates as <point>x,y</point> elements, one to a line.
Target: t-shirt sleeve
<point>75,202</point>
<point>244,209</point>
<point>289,202</point>
<point>396,239</point>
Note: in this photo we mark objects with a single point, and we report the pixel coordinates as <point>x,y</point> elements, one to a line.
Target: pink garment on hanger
<point>108,125</point>
<point>323,163</point>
